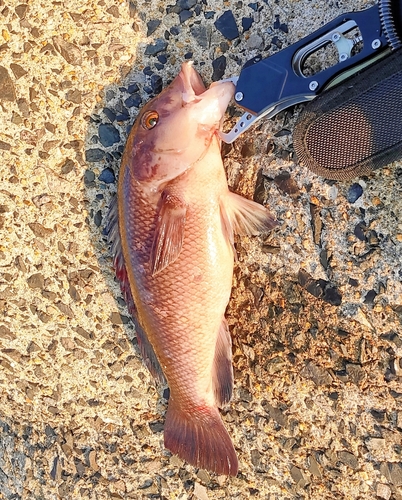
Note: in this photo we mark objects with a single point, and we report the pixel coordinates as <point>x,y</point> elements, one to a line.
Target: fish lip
<point>191,79</point>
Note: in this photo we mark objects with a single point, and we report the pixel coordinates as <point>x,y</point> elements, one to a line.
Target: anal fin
<point>222,375</point>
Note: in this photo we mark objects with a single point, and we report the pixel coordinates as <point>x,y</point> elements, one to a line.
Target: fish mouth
<point>192,82</point>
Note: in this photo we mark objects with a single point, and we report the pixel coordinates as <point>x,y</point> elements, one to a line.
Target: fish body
<point>174,222</point>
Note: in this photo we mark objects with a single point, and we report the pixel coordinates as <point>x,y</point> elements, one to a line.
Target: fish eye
<point>150,119</point>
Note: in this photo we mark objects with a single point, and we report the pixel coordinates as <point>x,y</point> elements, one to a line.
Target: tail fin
<point>200,438</point>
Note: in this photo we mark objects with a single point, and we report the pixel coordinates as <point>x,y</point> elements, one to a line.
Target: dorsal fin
<point>147,352</point>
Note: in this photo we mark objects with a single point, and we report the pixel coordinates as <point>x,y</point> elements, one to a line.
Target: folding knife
<point>269,85</point>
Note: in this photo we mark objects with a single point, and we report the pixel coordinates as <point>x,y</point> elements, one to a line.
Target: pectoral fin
<point>169,232</point>
<point>244,216</point>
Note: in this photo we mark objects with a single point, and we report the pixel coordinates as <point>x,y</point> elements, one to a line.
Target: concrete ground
<point>317,407</point>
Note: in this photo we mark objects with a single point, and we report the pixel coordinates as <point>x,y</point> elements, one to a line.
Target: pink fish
<point>172,228</point>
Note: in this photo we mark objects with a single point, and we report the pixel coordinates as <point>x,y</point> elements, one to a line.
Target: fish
<point>172,229</point>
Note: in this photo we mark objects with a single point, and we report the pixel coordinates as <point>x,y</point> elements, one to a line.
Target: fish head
<point>175,129</point>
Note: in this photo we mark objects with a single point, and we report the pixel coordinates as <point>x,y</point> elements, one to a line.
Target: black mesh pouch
<point>356,127</point>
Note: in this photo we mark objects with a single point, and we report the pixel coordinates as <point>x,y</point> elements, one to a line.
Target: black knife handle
<point>275,81</point>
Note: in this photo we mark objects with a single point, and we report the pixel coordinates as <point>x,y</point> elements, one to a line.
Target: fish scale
<point>187,304</point>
